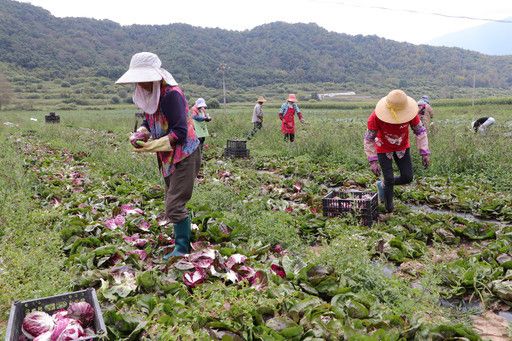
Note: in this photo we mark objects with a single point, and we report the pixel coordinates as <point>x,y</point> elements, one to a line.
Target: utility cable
<point>343,3</point>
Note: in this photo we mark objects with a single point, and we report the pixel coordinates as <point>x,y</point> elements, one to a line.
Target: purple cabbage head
<point>66,330</point>
<point>81,311</point>
<point>36,323</point>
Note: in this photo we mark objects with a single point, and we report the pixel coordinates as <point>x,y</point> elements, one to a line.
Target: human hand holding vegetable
<point>159,145</point>
<point>375,168</point>
<point>142,134</point>
<point>425,159</point>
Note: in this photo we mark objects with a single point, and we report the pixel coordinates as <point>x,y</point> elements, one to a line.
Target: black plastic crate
<point>236,153</point>
<point>50,305</point>
<point>237,145</point>
<point>52,118</point>
<point>362,204</point>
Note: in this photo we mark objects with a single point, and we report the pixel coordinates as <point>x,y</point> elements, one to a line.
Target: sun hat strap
<point>392,109</point>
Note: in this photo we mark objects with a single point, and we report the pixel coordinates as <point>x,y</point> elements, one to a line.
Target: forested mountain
<point>492,38</point>
<point>33,39</point>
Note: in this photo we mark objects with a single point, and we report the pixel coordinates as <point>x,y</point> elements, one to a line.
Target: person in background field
<point>482,124</point>
<point>426,112</point>
<point>173,139</point>
<point>287,116</point>
<point>257,117</point>
<point>200,117</point>
<point>387,139</point>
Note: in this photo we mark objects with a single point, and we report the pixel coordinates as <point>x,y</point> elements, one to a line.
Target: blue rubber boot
<point>182,233</point>
<point>380,191</point>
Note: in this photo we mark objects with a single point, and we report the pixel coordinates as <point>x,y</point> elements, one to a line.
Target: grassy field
<point>416,275</point>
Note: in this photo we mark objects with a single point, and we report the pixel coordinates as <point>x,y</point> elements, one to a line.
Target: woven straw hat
<point>396,108</point>
<point>261,99</point>
<point>292,98</point>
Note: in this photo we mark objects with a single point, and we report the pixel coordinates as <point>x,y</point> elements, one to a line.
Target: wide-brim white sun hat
<point>201,103</point>
<point>146,67</point>
<point>396,108</point>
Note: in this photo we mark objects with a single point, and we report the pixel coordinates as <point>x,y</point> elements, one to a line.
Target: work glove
<point>425,159</point>
<point>375,168</point>
<point>208,118</point>
<point>159,145</point>
<point>142,134</point>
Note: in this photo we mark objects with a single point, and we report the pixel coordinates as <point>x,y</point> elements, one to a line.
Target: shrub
<point>213,103</point>
<point>115,100</point>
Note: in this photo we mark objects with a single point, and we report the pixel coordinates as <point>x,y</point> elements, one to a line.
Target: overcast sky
<point>405,20</point>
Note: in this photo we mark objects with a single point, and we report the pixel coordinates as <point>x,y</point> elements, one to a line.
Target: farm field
<point>80,209</point>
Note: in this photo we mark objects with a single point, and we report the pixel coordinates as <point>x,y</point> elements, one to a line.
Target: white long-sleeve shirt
<point>257,113</point>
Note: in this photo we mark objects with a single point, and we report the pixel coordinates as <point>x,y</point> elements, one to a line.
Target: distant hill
<point>492,38</point>
<point>32,39</point>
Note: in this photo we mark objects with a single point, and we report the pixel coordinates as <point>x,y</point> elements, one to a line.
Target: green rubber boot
<point>182,233</point>
<point>380,190</point>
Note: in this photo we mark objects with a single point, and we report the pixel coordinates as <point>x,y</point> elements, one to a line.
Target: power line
<point>343,3</point>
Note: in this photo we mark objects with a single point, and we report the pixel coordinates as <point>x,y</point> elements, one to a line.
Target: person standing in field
<point>287,116</point>
<point>482,124</point>
<point>168,131</point>
<point>426,112</point>
<point>387,139</point>
<point>257,117</point>
<point>200,117</point>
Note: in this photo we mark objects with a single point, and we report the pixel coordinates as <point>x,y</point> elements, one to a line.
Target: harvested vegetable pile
<point>73,323</point>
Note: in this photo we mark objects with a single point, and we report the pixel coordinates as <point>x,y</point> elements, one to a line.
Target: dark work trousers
<point>257,126</point>
<point>404,166</point>
<point>179,186</point>
<point>201,142</point>
<point>291,137</point>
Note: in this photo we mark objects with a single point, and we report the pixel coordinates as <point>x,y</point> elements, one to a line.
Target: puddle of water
<point>506,315</point>
<point>467,216</point>
<point>461,305</point>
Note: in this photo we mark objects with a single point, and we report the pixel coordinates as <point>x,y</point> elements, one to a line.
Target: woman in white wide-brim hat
<point>387,139</point>
<point>200,117</point>
<point>173,139</point>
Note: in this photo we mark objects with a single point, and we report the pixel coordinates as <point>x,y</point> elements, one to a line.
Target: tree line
<point>33,39</point>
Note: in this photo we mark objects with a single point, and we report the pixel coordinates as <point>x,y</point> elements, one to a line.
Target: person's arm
<point>421,140</point>
<point>421,136</point>
<point>258,111</point>
<point>297,109</point>
<point>429,111</point>
<point>173,107</point>
<point>196,115</point>
<point>369,145</point>
<point>282,111</point>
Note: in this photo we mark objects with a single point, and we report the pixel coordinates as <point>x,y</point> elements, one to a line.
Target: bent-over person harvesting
<point>387,139</point>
